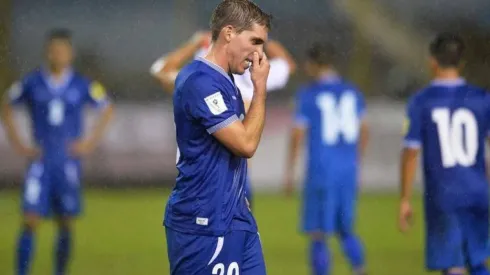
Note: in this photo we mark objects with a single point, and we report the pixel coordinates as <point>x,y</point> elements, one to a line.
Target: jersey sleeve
<point>206,101</point>
<point>412,125</point>
<point>300,115</point>
<point>17,93</point>
<point>97,95</point>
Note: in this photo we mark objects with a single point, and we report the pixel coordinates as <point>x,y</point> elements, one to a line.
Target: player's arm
<point>363,138</point>
<point>296,140</point>
<point>166,68</point>
<point>97,98</point>
<point>409,162</point>
<point>15,95</point>
<point>206,103</point>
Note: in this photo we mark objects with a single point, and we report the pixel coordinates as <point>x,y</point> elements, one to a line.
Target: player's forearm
<point>254,121</point>
<point>176,59</point>
<point>9,126</point>
<point>364,140</point>
<point>407,173</point>
<point>102,123</point>
<point>293,152</point>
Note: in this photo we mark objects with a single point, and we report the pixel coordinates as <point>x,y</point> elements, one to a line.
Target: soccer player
<point>54,96</point>
<point>282,66</point>
<point>330,118</point>
<point>209,228</point>
<point>449,120</point>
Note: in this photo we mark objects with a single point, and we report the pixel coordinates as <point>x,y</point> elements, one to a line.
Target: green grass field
<point>121,234</point>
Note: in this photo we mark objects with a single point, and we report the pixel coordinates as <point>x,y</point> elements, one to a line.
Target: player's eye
<point>257,41</point>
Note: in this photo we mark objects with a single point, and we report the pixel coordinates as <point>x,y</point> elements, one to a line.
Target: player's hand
<point>259,71</point>
<point>405,216</point>
<point>82,147</point>
<point>248,204</point>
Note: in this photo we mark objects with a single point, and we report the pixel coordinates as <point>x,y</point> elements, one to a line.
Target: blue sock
<point>479,270</point>
<point>24,251</point>
<point>353,250</point>
<point>63,251</point>
<point>319,257</point>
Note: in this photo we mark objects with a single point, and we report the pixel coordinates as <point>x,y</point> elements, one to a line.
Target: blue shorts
<point>329,211</point>
<point>238,252</point>
<point>456,239</point>
<point>52,189</point>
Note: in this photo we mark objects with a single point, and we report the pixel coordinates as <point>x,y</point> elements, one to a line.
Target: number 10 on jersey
<point>458,136</point>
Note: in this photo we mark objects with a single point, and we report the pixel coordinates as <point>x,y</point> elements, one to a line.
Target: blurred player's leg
<point>319,254</point>
<point>67,207</point>
<point>318,222</point>
<point>35,204</point>
<point>351,244</point>
<point>444,241</point>
<point>475,229</point>
<point>25,244</point>
<point>63,245</point>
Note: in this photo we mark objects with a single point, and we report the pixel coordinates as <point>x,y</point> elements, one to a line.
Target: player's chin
<point>239,70</point>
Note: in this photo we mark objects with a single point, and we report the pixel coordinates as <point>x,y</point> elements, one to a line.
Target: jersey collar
<point>216,68</point>
<point>54,85</point>
<point>329,77</point>
<point>448,82</point>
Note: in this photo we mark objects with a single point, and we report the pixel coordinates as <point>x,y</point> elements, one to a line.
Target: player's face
<point>242,46</point>
<point>311,69</point>
<point>59,53</point>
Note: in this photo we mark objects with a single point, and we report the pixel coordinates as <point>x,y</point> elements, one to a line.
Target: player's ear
<point>229,32</point>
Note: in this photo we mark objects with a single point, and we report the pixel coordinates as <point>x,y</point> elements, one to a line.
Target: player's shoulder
<point>420,95</point>
<point>31,77</point>
<point>195,74</point>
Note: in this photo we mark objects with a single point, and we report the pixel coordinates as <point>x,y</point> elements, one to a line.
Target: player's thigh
<point>318,211</point>
<point>36,191</point>
<point>444,241</point>
<point>346,211</point>
<point>253,258</point>
<point>67,201</point>
<point>475,230</point>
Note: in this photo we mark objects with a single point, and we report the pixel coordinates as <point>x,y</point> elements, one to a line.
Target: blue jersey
<point>208,197</point>
<point>450,121</point>
<point>331,110</point>
<point>56,108</point>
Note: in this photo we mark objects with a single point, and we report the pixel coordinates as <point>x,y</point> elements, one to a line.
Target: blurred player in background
<point>55,96</point>
<point>450,121</point>
<point>209,227</point>
<point>330,118</point>
<point>282,65</point>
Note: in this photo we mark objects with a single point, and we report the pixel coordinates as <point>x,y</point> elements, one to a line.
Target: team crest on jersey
<point>97,91</point>
<point>216,103</point>
<point>406,125</point>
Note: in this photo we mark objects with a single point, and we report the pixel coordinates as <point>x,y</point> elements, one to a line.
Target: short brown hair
<point>241,14</point>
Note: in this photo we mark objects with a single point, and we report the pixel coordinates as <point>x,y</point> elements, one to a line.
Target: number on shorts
<point>56,112</point>
<point>458,136</point>
<point>33,190</point>
<point>233,269</point>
